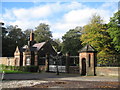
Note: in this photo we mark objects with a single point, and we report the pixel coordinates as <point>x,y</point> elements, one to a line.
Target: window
<point>28,61</point>
<point>89,60</point>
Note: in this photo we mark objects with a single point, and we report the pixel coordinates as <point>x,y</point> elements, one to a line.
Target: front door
<point>83,66</point>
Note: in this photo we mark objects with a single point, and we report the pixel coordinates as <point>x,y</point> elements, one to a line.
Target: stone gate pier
<point>87,60</point>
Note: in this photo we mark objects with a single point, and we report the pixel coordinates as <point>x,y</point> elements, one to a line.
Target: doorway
<point>83,66</point>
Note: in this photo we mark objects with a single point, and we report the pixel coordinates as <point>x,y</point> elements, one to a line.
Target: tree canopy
<point>114,30</point>
<point>71,41</point>
<point>42,33</point>
<point>12,37</point>
<point>95,33</point>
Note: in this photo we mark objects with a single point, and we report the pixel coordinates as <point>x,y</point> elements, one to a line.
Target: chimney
<point>31,36</point>
<point>31,42</point>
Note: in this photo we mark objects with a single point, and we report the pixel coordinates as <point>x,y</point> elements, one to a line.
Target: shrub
<point>21,68</point>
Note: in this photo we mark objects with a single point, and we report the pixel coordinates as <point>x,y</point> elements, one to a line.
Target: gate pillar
<point>47,63</point>
<point>36,59</point>
<point>87,60</point>
<point>67,62</point>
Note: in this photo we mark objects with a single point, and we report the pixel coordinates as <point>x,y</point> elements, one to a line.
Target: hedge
<point>20,68</point>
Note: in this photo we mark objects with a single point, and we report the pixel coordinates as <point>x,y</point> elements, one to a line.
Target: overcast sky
<point>61,16</point>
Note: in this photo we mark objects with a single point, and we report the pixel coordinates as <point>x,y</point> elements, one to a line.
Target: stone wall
<point>100,71</point>
<point>9,61</point>
<point>107,71</point>
<point>3,60</point>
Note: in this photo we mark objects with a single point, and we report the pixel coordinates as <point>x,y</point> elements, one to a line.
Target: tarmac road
<point>51,80</point>
<point>62,76</point>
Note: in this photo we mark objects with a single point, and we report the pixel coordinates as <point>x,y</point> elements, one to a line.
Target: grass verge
<point>12,71</point>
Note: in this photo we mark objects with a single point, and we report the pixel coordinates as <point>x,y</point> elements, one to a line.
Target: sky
<point>60,16</point>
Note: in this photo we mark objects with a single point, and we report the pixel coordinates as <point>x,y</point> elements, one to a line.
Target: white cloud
<point>32,13</point>
<point>25,24</point>
<point>75,5</point>
<point>57,35</point>
<point>81,16</point>
<point>78,16</point>
<point>60,16</point>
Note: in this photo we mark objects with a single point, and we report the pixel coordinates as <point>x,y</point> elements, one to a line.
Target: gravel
<point>20,83</point>
<point>24,84</point>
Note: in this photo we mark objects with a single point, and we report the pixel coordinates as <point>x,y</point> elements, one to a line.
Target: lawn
<point>12,71</point>
<point>18,69</point>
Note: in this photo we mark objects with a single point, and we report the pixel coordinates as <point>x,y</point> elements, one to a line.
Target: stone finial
<point>17,51</point>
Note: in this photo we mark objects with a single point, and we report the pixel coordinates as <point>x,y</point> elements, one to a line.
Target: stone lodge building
<point>31,54</point>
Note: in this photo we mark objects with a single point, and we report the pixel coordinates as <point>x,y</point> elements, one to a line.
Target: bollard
<point>3,75</point>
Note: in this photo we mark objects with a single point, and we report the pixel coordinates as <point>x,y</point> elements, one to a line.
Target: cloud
<point>75,5</point>
<point>80,16</point>
<point>60,16</point>
<point>58,35</point>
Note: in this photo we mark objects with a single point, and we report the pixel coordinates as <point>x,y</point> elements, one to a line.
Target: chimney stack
<point>31,36</point>
<point>31,41</point>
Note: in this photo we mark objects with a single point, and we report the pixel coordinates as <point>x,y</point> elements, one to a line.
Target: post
<point>67,62</point>
<point>80,63</point>
<point>47,63</point>
<point>57,71</point>
<point>36,59</point>
<point>3,73</point>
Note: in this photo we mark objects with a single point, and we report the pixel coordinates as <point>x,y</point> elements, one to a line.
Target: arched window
<point>89,60</point>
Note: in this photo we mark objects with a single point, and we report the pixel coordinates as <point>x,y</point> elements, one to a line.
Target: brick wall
<point>107,71</point>
<point>100,71</point>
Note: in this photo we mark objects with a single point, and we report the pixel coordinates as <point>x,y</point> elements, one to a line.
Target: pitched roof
<point>87,48</point>
<point>39,45</point>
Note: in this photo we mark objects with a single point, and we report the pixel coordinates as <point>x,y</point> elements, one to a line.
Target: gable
<point>44,48</point>
<point>87,48</point>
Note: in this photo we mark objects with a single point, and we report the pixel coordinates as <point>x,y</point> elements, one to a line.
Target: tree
<point>3,33</point>
<point>95,33</point>
<point>71,41</point>
<point>43,33</point>
<point>27,34</point>
<point>114,30</point>
<point>15,37</point>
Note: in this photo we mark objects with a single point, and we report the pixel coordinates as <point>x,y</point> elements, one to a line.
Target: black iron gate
<point>59,62</point>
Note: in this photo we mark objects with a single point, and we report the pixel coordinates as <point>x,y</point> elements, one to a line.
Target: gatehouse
<point>48,59</point>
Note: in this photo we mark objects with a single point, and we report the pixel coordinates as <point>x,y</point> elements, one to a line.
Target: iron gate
<point>60,63</point>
